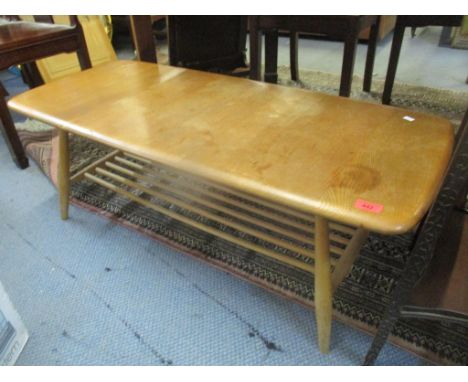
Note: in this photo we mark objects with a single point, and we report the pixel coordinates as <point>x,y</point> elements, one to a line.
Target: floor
<point>93,293</point>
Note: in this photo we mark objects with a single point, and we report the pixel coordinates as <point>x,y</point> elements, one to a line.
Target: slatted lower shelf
<point>265,227</point>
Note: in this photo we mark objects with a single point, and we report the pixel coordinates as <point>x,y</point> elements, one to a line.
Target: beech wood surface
<point>309,151</point>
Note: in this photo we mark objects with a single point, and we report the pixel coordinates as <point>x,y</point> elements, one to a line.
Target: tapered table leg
<point>397,41</point>
<point>349,56</point>
<point>323,284</point>
<point>63,173</point>
<point>271,56</point>
<point>370,57</point>
<point>255,38</point>
<point>293,55</point>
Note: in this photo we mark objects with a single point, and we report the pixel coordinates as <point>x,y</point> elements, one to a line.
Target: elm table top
<point>310,151</point>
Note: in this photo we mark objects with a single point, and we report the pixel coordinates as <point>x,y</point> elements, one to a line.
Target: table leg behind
<point>271,56</point>
<point>397,41</point>
<point>347,259</point>
<point>63,173</point>
<point>349,57</point>
<point>255,38</point>
<point>293,54</point>
<point>323,284</point>
<point>8,130</point>
<point>370,57</point>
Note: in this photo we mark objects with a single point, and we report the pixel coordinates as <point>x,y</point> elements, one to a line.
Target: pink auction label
<point>369,206</point>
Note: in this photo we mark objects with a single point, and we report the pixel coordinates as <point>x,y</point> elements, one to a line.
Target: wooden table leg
<point>255,42</point>
<point>348,64</point>
<point>293,54</point>
<point>9,133</point>
<point>398,34</point>
<point>63,173</point>
<point>142,35</point>
<point>323,284</point>
<point>346,261</point>
<point>271,56</point>
<point>370,57</point>
<point>82,51</point>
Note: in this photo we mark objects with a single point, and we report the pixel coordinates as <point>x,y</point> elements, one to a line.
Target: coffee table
<point>305,176</point>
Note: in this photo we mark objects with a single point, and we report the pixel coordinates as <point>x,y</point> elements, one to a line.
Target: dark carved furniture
<point>401,23</point>
<point>142,34</point>
<point>23,42</point>
<point>345,28</point>
<point>439,295</point>
<point>213,43</point>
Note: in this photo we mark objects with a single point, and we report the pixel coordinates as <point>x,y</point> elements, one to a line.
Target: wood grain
<point>309,151</point>
<point>323,285</point>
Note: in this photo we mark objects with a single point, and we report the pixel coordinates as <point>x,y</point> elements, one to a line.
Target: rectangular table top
<point>358,163</point>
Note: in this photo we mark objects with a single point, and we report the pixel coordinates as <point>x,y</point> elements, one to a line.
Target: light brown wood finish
<point>298,159</point>
<point>63,173</point>
<point>80,174</point>
<point>323,285</point>
<point>150,184</point>
<point>347,259</point>
<point>310,151</point>
<point>204,228</point>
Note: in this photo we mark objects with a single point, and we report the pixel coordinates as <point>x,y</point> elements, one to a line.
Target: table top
<point>358,163</point>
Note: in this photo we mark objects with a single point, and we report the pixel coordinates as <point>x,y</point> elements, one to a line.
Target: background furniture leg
<point>349,56</point>
<point>293,55</point>
<point>398,34</point>
<point>63,173</point>
<point>271,56</point>
<point>347,260</point>
<point>370,58</point>
<point>82,51</point>
<point>255,41</point>
<point>323,286</point>
<point>142,34</point>
<point>9,133</point>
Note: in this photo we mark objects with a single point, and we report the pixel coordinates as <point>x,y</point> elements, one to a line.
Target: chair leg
<point>271,56</point>
<point>393,63</point>
<point>142,34</point>
<point>370,58</point>
<point>9,133</point>
<point>293,55</point>
<point>82,51</point>
<point>31,75</point>
<point>348,64</point>
<point>255,42</point>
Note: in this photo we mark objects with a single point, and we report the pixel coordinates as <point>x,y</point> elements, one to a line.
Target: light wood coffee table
<point>306,175</point>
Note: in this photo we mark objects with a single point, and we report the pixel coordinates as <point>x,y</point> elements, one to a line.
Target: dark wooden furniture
<point>345,28</point>
<point>442,293</point>
<point>23,42</point>
<point>386,25</point>
<point>212,43</point>
<point>143,40</point>
<point>413,22</point>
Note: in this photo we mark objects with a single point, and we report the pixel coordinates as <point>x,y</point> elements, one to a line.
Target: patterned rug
<point>359,301</point>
